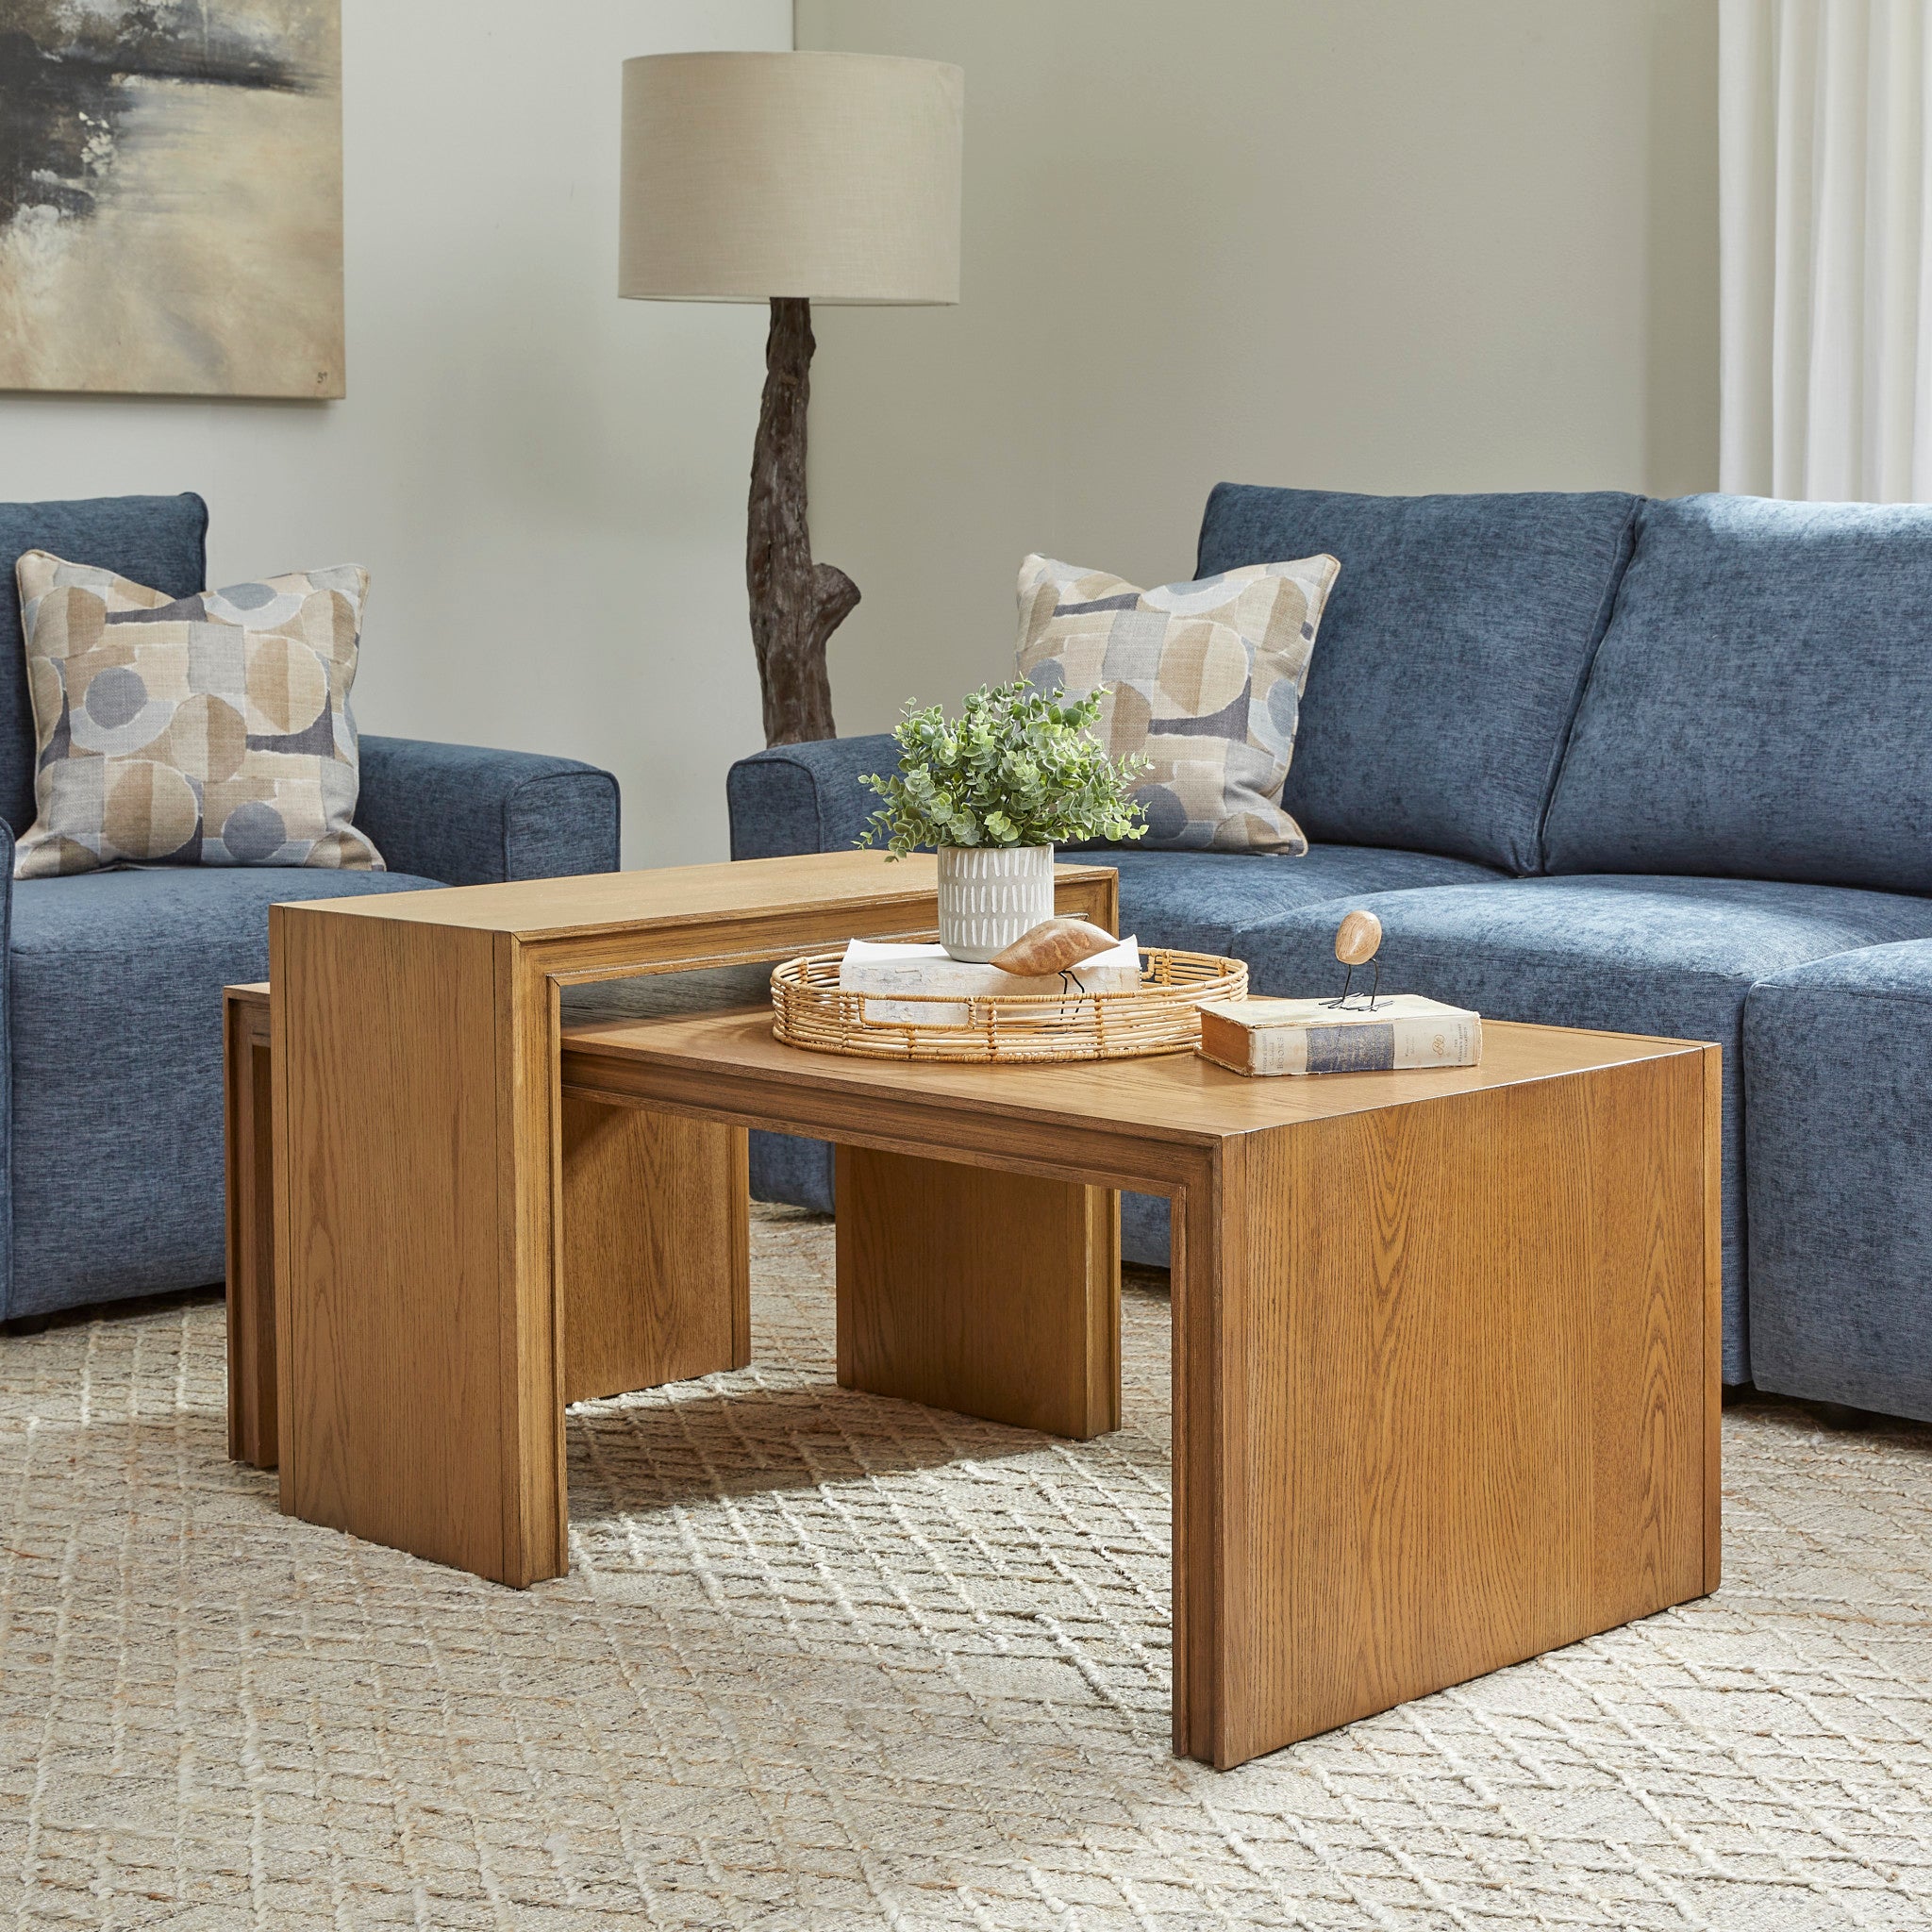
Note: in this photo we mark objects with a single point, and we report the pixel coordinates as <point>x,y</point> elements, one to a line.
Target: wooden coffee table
<point>1445,1344</point>
<point>456,1251</point>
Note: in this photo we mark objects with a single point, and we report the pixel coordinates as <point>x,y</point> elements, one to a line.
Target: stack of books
<point>881,969</point>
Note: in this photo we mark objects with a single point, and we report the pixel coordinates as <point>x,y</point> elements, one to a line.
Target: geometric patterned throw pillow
<point>1205,681</point>
<point>205,731</point>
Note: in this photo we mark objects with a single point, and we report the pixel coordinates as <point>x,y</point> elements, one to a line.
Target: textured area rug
<point>830,1662</point>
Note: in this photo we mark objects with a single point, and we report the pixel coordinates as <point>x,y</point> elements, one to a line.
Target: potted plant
<point>993,791</point>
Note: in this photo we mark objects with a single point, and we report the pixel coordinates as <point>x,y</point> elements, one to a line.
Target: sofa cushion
<point>1199,900</point>
<point>156,539</point>
<point>214,729</point>
<point>1201,684</point>
<point>1838,1070</point>
<point>1676,957</point>
<point>1758,704</point>
<point>114,992</point>
<point>1453,651</point>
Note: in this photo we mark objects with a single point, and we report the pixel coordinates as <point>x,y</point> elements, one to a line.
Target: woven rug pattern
<point>825,1660</point>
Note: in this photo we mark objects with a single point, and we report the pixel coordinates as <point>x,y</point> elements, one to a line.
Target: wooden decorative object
<point>1162,1017</point>
<point>795,603</point>
<point>1055,946</point>
<point>1357,940</point>
<point>1357,937</point>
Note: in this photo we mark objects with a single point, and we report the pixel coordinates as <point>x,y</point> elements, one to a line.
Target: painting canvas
<point>171,196</point>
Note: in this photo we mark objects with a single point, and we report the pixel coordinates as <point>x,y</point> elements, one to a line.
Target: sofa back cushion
<point>1759,705</point>
<point>1201,684</point>
<point>155,539</point>
<point>206,730</point>
<point>1453,652</point>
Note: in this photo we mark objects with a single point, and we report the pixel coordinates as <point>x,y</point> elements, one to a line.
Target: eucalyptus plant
<point>1018,767</point>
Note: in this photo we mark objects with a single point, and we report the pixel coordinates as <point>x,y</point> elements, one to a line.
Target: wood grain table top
<point>680,895</point>
<point>1177,1096</point>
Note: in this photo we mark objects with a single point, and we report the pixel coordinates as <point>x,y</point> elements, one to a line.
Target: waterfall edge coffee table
<point>1446,1344</point>
<point>431,1251</point>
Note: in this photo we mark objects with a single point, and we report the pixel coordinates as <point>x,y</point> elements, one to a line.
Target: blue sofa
<point>111,1107</point>
<point>1598,760</point>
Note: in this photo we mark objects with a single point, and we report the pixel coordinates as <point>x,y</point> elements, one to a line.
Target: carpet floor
<point>825,1660</point>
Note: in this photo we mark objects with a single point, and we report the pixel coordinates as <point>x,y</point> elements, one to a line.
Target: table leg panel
<point>396,1424</point>
<point>1649,1288</point>
<point>1459,1417</point>
<point>990,1294</point>
<point>250,1165</point>
<point>657,1271</point>
<point>1197,1270</point>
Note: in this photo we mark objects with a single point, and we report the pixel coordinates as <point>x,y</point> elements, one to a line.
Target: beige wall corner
<point>1364,244</point>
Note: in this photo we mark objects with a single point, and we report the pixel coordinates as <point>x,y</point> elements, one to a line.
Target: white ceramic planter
<point>991,894</point>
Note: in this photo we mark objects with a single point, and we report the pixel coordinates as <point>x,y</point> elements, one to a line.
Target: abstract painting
<point>171,196</point>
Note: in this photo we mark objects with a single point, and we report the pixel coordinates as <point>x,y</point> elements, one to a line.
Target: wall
<point>1364,244</point>
<point>548,484</point>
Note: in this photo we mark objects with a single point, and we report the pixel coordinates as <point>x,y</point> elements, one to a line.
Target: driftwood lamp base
<point>795,603</point>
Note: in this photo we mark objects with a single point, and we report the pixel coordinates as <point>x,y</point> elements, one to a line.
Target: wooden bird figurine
<point>1054,945</point>
<point>1357,940</point>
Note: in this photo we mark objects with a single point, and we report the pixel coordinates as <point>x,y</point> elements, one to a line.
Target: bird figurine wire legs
<point>1357,940</point>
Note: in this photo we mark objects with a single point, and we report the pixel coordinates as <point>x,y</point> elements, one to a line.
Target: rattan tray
<point>1162,1016</point>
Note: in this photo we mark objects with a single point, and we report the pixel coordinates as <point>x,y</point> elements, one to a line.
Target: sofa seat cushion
<point>1758,704</point>
<point>1676,957</point>
<point>1837,1072</point>
<point>1199,900</point>
<point>114,995</point>
<point>1453,652</point>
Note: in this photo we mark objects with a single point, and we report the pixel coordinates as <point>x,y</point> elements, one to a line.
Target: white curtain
<point>1827,248</point>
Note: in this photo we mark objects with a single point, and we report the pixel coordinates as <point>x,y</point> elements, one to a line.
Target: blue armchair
<point>110,1086</point>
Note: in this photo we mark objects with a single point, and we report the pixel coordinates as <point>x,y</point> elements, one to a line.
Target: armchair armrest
<point>471,817</point>
<point>805,797</point>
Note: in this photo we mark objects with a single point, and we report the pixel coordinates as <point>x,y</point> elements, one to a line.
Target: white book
<point>884,967</point>
<point>1402,1030</point>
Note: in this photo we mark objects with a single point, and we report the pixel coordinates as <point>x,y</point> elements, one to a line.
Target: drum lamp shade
<point>833,176</point>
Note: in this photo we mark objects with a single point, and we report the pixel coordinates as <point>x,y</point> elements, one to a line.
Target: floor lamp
<point>789,179</point>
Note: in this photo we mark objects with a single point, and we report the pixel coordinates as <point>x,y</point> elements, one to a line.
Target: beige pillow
<point>1205,681</point>
<point>205,731</point>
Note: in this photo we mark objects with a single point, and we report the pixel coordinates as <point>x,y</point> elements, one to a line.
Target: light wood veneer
<point>649,1297</point>
<point>656,1292</point>
<point>992,1294</point>
<point>249,1153</point>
